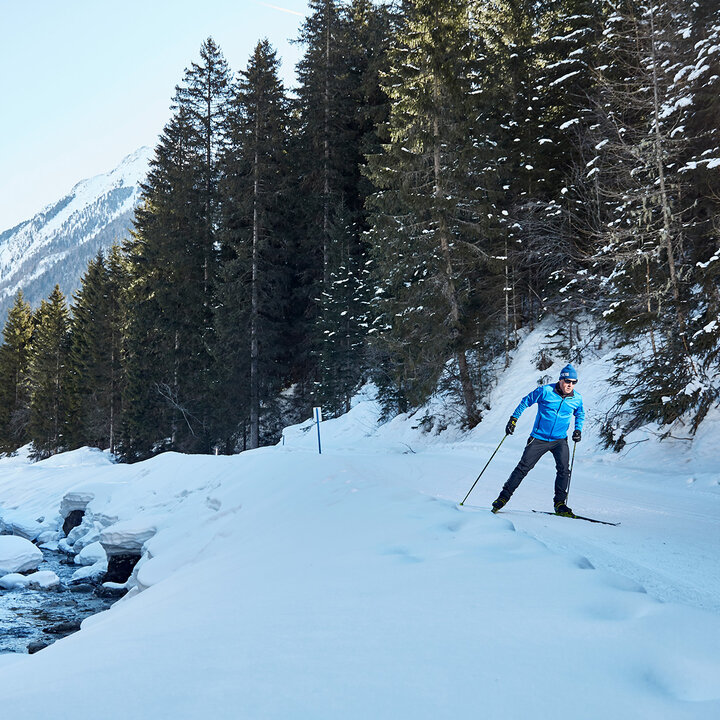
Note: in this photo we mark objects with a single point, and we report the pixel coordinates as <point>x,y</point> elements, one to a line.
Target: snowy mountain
<point>54,247</point>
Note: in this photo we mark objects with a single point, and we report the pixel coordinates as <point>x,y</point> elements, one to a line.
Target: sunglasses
<point>569,382</point>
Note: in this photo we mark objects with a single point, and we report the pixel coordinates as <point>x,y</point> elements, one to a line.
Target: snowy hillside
<point>281,583</point>
<point>55,245</point>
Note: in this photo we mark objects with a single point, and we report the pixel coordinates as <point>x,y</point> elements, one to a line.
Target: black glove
<point>510,427</point>
<point>576,436</point>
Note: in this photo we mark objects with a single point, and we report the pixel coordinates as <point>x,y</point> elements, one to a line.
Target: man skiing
<point>557,403</point>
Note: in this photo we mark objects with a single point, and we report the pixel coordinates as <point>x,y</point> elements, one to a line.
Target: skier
<point>557,403</point>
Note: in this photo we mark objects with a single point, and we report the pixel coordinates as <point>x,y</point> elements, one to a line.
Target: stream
<point>37,618</point>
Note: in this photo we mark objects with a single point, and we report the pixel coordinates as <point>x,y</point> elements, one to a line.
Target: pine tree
<point>15,354</point>
<point>560,223</point>
<point>431,244</point>
<point>165,274</point>
<point>96,353</point>
<point>50,388</point>
<point>253,294</point>
<point>640,143</point>
<point>173,266</point>
<point>696,87</point>
<point>343,302</point>
<point>340,104</point>
<point>344,318</point>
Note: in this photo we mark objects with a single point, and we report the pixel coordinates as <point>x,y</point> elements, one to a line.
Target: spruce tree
<point>96,353</point>
<point>560,222</point>
<point>343,322</point>
<point>172,268</point>
<point>15,355</point>
<point>163,312</point>
<point>432,246</point>
<point>50,386</point>
<point>696,88</point>
<point>640,143</point>
<point>340,104</point>
<point>254,289</point>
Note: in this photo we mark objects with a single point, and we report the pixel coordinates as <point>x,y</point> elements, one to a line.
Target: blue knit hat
<point>568,373</point>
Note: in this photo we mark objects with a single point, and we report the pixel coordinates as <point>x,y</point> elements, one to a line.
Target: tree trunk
<point>665,202</point>
<point>468,391</point>
<point>507,308</point>
<point>254,308</point>
<point>326,155</point>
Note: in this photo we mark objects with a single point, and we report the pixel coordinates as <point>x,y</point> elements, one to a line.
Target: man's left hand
<point>576,436</point>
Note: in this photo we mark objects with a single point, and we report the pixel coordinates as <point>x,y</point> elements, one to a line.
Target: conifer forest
<point>445,175</point>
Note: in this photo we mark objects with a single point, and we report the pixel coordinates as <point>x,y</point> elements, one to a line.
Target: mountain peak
<point>56,244</point>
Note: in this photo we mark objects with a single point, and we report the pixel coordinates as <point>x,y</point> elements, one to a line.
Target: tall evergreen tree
<point>96,353</point>
<point>15,355</point>
<point>343,322</point>
<point>560,222</point>
<point>172,269</point>
<point>640,143</point>
<point>161,312</point>
<point>340,104</point>
<point>253,296</point>
<point>430,242</point>
<point>50,387</point>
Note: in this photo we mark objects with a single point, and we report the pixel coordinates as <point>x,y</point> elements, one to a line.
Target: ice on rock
<point>49,537</point>
<point>64,546</point>
<point>17,554</point>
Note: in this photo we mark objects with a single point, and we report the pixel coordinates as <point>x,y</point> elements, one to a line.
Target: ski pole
<point>572,462</point>
<point>482,471</point>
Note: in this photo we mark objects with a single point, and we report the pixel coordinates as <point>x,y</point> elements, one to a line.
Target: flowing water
<point>44,616</point>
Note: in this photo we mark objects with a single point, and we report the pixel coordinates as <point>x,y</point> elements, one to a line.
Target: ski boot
<point>500,502</point>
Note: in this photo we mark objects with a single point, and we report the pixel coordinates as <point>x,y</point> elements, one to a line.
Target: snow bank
<point>18,555</point>
<point>281,583</point>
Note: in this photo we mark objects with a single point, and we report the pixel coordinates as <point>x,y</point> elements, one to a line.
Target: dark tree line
<point>444,175</point>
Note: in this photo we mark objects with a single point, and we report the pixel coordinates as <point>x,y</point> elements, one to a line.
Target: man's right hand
<point>510,427</point>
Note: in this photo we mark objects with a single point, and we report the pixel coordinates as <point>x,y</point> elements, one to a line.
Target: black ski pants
<point>534,450</point>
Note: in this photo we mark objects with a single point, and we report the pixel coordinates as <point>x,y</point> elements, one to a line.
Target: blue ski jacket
<point>554,412</point>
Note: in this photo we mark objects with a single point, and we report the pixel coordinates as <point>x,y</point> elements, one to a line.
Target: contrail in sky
<point>281,9</point>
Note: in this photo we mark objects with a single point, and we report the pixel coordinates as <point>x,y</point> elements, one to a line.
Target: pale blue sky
<point>86,82</point>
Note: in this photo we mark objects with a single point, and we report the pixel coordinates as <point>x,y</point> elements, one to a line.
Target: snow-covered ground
<point>285,584</point>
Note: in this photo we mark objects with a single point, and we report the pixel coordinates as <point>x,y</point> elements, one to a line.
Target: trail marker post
<point>317,414</point>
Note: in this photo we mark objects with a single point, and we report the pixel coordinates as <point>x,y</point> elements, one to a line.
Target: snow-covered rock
<point>43,580</point>
<point>14,522</point>
<point>18,554</point>
<point>63,546</point>
<point>91,554</point>
<point>127,537</point>
<point>75,501</point>
<point>75,534</point>
<point>90,573</point>
<point>13,581</point>
<point>49,538</point>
